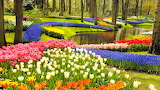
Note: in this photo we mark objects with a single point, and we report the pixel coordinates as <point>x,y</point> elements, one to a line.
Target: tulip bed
<point>59,67</point>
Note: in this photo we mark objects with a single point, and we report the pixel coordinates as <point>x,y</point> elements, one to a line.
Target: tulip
<point>118,71</point>
<point>21,78</point>
<point>1,69</point>
<point>112,81</point>
<point>102,74</point>
<point>114,69</point>
<point>151,87</point>
<point>28,73</point>
<point>30,65</point>
<point>66,74</point>
<point>14,70</point>
<point>91,76</point>
<point>48,77</point>
<point>14,84</point>
<point>31,79</point>
<point>110,74</point>
<point>126,76</point>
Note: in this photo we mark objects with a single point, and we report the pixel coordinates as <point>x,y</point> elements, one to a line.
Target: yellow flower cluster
<point>105,24</point>
<point>53,29</point>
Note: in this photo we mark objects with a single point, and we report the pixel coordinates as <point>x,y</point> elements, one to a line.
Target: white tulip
<point>42,77</point>
<point>66,74</point>
<point>53,73</point>
<point>30,61</point>
<point>62,70</point>
<point>30,65</point>
<point>110,74</point>
<point>55,66</point>
<point>88,69</point>
<point>28,73</point>
<point>75,74</point>
<point>118,71</point>
<point>68,66</point>
<point>84,76</point>
<point>112,81</point>
<point>98,70</point>
<point>114,69</point>
<point>151,87</point>
<point>94,68</point>
<point>48,77</point>
<point>91,76</point>
<point>102,74</point>
<point>72,69</point>
<point>21,78</point>
<point>14,70</point>
<point>126,76</point>
<point>86,73</point>
<point>81,72</point>
<point>57,71</point>
<point>63,63</point>
<point>72,63</point>
<point>135,84</point>
<point>102,68</point>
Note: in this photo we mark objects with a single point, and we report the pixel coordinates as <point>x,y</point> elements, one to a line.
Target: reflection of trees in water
<point>124,32</point>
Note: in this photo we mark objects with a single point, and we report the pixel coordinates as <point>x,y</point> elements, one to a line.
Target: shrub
<point>138,47</point>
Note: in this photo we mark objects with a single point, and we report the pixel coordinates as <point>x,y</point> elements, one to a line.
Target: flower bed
<point>111,46</point>
<point>65,68</point>
<point>133,61</point>
<point>135,22</point>
<point>135,41</point>
<point>34,32</point>
<point>53,32</point>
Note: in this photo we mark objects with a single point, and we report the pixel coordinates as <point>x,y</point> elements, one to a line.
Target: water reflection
<point>109,36</point>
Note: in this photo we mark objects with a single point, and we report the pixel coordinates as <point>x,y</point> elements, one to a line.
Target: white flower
<point>112,81</point>
<point>114,69</point>
<point>30,65</point>
<point>21,78</point>
<point>28,73</point>
<point>66,74</point>
<point>56,71</point>
<point>86,73</point>
<point>14,70</point>
<point>38,70</point>
<point>84,76</point>
<point>94,68</point>
<point>102,74</point>
<point>151,87</point>
<point>25,69</point>
<point>105,59</point>
<point>53,73</point>
<point>81,72</point>
<point>42,77</point>
<point>72,63</point>
<point>63,63</point>
<point>72,69</point>
<point>68,66</point>
<point>91,76</point>
<point>126,76</point>
<point>102,68</point>
<point>135,84</point>
<point>88,69</point>
<point>110,74</point>
<point>62,70</point>
<point>30,61</point>
<point>75,74</point>
<point>48,77</point>
<point>118,71</point>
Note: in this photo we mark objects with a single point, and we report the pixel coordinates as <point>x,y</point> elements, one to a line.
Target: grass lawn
<point>65,20</point>
<point>145,52</point>
<point>9,17</point>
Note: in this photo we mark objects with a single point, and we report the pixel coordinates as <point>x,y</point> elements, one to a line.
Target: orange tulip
<point>44,84</point>
<point>92,88</point>
<point>75,84</point>
<point>80,88</point>
<point>70,84</point>
<point>80,82</point>
<point>23,87</point>
<point>64,88</point>
<point>59,83</point>
<point>87,81</point>
<point>37,86</point>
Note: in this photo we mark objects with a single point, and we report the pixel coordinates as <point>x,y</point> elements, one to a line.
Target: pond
<point>110,36</point>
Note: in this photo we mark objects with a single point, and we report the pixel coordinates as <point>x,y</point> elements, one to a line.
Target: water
<point>109,36</point>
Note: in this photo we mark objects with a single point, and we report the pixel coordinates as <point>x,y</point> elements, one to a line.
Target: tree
<point>104,6</point>
<point>95,12</point>
<point>136,8</point>
<point>61,7</point>
<point>140,12</point>
<point>155,46</point>
<point>82,9</point>
<point>19,24</point>
<point>92,8</point>
<point>125,9</point>
<point>114,11</point>
<point>2,32</point>
<point>70,7</point>
<point>53,5</point>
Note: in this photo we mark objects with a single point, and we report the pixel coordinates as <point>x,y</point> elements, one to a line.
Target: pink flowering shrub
<point>30,51</point>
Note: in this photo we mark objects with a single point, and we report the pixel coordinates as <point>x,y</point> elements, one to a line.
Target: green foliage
<point>35,21</point>
<point>9,27</point>
<point>138,47</point>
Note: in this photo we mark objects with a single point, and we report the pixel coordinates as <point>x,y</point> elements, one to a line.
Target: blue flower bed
<point>121,56</point>
<point>34,32</point>
<point>89,19</point>
<point>134,22</point>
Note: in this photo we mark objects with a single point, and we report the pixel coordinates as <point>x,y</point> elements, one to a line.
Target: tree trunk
<point>114,11</point>
<point>95,12</point>
<point>75,4</point>
<point>70,7</point>
<point>92,8</point>
<point>64,7</point>
<point>104,6</point>
<point>82,9</point>
<point>61,8</point>
<point>141,8</point>
<point>155,46</point>
<point>125,9</point>
<point>19,24</point>
<point>87,5</point>
<point>53,5</point>
<point>2,32</point>
<point>136,8</point>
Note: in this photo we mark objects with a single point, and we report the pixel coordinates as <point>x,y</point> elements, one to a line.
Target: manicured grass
<point>145,79</point>
<point>65,20</point>
<point>46,38</point>
<point>145,52</point>
<point>71,31</point>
